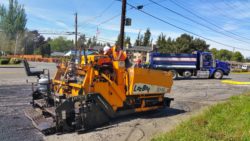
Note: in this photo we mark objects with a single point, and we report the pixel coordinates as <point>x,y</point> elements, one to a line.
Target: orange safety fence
<point>35,58</point>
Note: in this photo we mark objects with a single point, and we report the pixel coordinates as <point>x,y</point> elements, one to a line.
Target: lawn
<point>225,121</point>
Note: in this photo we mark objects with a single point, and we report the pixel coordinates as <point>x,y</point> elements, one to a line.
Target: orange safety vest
<point>116,54</point>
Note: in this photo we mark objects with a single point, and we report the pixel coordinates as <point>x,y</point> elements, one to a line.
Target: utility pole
<point>123,17</point>
<point>76,36</point>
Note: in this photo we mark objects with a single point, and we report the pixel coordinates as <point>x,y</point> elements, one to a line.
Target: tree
<point>33,42</point>
<point>165,45</point>
<point>161,43</point>
<point>127,42</point>
<point>147,38</point>
<point>183,43</point>
<point>225,55</point>
<point>187,44</point>
<point>138,41</point>
<point>214,51</point>
<point>89,42</point>
<point>81,42</point>
<point>118,40</point>
<point>94,41</point>
<point>61,44</point>
<point>13,20</point>
<point>5,43</point>
<point>198,44</point>
<point>237,56</point>
<point>44,50</point>
<point>247,59</point>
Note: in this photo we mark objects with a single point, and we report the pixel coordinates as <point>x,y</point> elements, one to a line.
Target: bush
<point>236,70</point>
<point>4,61</point>
<point>15,61</point>
<point>239,70</point>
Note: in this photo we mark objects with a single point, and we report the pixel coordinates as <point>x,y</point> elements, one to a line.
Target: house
<point>133,53</point>
<point>139,52</point>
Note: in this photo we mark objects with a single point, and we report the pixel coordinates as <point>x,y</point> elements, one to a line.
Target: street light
<point>139,7</point>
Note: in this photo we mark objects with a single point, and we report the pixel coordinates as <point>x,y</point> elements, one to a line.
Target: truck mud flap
<point>45,125</point>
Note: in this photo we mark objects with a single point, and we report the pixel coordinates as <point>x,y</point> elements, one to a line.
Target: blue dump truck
<point>199,64</point>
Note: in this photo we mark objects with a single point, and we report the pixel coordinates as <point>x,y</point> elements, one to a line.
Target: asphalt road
<point>190,97</point>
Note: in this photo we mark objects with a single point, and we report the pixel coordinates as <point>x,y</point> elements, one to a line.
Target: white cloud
<point>45,15</point>
<point>62,24</point>
<point>154,32</point>
<point>231,9</point>
<point>228,42</point>
<point>4,2</point>
<point>229,26</point>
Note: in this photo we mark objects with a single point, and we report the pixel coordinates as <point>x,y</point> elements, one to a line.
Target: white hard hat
<point>106,49</point>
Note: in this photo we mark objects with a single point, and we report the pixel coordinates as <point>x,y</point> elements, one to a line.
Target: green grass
<point>240,72</point>
<point>228,121</point>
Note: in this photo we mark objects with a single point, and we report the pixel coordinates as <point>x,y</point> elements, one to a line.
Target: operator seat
<point>30,72</point>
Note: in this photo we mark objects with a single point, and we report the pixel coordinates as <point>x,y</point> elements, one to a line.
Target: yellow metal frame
<point>113,91</point>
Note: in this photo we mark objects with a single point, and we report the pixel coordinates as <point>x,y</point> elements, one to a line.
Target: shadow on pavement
<point>160,113</point>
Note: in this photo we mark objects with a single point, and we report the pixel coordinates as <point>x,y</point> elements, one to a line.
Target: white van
<point>244,67</point>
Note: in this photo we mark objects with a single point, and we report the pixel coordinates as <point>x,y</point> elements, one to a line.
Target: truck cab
<point>213,68</point>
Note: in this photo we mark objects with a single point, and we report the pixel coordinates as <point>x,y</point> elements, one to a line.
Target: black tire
<point>187,74</point>
<point>175,74</point>
<point>218,74</point>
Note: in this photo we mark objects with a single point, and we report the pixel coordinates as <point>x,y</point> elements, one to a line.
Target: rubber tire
<point>175,74</point>
<point>187,77</point>
<point>218,74</point>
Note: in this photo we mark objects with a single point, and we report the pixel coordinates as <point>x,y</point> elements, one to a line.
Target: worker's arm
<point>119,55</point>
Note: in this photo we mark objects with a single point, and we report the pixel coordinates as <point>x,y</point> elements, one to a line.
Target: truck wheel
<point>187,74</point>
<point>175,74</point>
<point>218,74</point>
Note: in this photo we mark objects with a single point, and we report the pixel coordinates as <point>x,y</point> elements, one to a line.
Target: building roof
<point>57,54</point>
<point>139,48</point>
<point>133,48</point>
<point>96,48</point>
<point>72,52</point>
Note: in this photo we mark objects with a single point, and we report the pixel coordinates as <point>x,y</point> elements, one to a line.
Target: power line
<point>196,21</point>
<point>182,7</point>
<point>220,11</point>
<point>180,28</point>
<point>68,33</point>
<point>101,14</point>
<point>232,6</point>
<point>110,19</point>
<point>117,15</point>
<point>244,4</point>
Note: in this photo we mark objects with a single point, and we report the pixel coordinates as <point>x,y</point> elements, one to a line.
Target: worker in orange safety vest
<point>115,53</point>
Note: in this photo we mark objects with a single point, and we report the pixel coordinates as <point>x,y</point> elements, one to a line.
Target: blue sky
<point>58,16</point>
